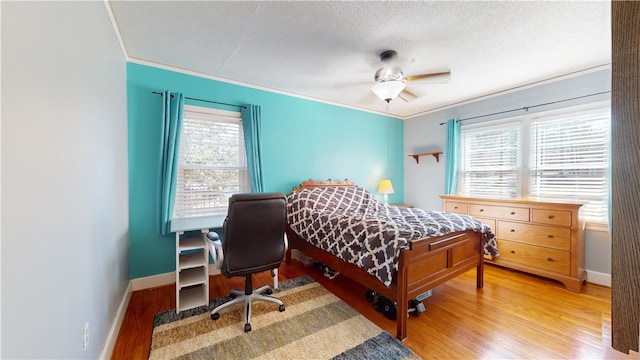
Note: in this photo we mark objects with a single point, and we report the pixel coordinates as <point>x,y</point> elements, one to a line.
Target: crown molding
<point>252,86</point>
<point>514,89</point>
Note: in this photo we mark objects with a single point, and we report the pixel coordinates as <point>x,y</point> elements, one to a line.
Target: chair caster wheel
<point>268,292</point>
<point>247,327</point>
<point>281,308</point>
<point>215,316</point>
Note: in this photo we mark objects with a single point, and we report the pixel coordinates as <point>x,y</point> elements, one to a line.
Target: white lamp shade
<point>388,90</point>
<point>385,187</point>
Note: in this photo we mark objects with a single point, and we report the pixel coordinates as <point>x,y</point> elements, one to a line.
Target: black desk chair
<point>254,241</point>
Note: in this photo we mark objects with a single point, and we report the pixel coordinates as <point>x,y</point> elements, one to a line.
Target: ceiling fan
<point>390,81</point>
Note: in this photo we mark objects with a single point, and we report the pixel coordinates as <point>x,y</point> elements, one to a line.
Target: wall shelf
<point>436,154</point>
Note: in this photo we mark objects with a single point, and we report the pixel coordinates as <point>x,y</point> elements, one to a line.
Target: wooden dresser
<point>541,238</point>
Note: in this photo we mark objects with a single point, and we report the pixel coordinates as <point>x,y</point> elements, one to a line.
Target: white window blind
<point>212,162</point>
<point>569,161</point>
<point>491,161</point>
<point>561,155</point>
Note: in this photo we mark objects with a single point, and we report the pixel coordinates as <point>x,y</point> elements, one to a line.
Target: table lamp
<point>385,188</point>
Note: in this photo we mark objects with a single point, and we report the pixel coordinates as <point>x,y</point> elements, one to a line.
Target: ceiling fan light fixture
<point>388,90</point>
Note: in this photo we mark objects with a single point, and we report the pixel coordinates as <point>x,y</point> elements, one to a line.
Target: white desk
<point>197,223</point>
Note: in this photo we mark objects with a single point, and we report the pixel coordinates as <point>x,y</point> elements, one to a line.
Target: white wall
<point>64,178</point>
<point>424,182</point>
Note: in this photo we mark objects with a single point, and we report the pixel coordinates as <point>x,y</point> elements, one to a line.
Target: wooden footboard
<point>426,264</point>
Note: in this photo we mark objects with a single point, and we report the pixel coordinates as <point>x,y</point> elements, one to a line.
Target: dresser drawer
<point>538,237</point>
<point>456,207</point>
<point>500,212</point>
<point>549,236</point>
<point>490,222</point>
<point>553,260</point>
<point>551,217</point>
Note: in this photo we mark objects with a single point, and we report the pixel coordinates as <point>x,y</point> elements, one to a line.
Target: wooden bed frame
<point>426,264</point>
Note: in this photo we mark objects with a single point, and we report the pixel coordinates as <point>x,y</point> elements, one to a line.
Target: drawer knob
<point>513,230</point>
<point>512,251</point>
<point>549,259</point>
<point>513,213</point>
<point>549,236</point>
<point>550,217</point>
<point>455,207</point>
<point>481,210</point>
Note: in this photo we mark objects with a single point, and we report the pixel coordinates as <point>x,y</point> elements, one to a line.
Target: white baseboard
<point>107,350</point>
<point>163,279</point>
<point>302,258</point>
<point>153,281</point>
<point>213,270</point>
<point>599,278</point>
<point>134,285</point>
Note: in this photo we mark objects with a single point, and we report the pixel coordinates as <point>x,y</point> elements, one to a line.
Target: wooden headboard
<point>309,184</point>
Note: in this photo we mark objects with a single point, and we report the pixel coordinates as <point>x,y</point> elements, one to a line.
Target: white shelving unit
<point>192,261</point>
<point>192,275</point>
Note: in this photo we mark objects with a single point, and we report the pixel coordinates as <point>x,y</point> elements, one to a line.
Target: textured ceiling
<point>329,50</point>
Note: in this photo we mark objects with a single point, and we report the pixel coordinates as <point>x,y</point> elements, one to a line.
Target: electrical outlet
<point>85,337</point>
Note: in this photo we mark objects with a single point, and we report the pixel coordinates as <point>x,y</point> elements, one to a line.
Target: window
<point>491,161</point>
<point>570,160</point>
<point>561,156</point>
<point>212,162</point>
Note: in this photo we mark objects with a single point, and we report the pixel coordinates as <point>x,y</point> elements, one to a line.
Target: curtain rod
<point>526,108</point>
<point>208,101</point>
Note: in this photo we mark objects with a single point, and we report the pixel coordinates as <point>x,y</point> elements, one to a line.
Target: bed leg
<point>401,319</point>
<point>480,274</point>
<point>402,301</point>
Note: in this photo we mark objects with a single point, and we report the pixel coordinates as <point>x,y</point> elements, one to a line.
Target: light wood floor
<point>515,316</point>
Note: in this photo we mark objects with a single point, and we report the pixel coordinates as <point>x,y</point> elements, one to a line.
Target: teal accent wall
<point>302,139</point>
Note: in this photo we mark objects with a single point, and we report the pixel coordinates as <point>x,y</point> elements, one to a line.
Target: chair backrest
<point>254,233</point>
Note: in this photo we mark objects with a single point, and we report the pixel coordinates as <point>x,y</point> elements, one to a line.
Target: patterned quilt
<point>350,223</point>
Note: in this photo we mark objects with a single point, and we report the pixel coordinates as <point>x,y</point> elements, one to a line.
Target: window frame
<point>526,141</point>
<point>205,114</point>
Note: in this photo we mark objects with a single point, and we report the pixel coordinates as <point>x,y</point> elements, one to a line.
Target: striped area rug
<point>315,325</point>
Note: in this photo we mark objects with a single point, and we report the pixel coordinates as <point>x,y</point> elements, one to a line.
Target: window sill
<point>596,226</point>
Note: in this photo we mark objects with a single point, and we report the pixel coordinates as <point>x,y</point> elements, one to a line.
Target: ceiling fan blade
<point>432,78</point>
<point>407,95</point>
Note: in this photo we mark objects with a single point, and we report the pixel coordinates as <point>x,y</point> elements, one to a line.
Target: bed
<point>397,252</point>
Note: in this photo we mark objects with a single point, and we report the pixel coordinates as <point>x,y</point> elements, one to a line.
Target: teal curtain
<point>452,156</point>
<point>172,108</point>
<point>252,128</point>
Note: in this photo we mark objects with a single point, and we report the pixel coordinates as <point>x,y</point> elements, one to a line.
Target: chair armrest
<point>215,248</point>
<point>286,245</point>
